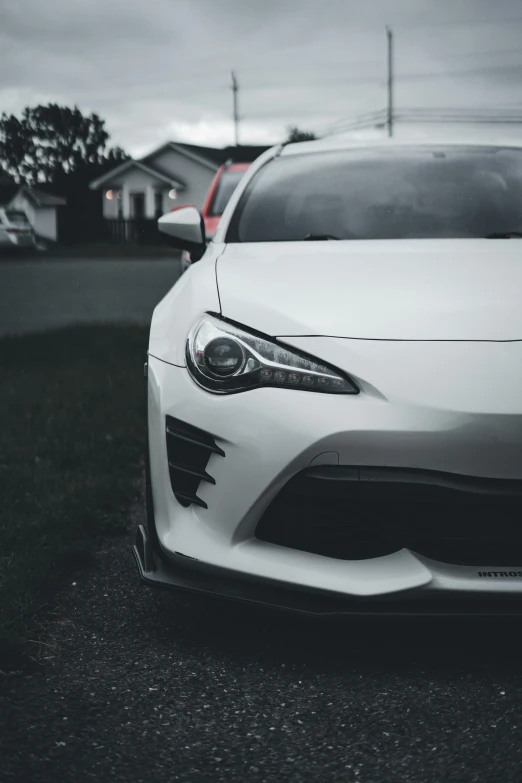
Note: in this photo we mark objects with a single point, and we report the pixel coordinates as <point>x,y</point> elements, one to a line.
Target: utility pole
<point>235,89</point>
<point>389,36</point>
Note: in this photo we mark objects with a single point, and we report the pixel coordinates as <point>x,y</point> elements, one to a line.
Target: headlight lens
<point>224,358</point>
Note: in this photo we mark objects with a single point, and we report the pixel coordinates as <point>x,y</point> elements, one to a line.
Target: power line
<point>462,120</point>
<point>489,107</point>
<point>469,72</point>
<point>477,115</point>
<point>367,116</point>
<point>203,75</point>
<point>479,53</point>
<point>402,76</point>
<point>467,22</point>
<point>379,120</point>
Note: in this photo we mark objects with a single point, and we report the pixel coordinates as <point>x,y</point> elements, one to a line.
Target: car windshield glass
<point>15,217</point>
<point>406,192</point>
<point>226,186</point>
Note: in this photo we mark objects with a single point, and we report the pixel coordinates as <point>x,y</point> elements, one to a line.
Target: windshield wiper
<point>319,237</point>
<point>505,235</point>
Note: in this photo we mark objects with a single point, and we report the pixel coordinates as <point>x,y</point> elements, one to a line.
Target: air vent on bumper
<point>189,450</point>
<point>359,512</point>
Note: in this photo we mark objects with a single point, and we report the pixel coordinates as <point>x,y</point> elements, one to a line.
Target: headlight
<point>224,358</point>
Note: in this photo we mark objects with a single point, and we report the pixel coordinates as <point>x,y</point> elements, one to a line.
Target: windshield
<point>226,186</point>
<point>396,193</point>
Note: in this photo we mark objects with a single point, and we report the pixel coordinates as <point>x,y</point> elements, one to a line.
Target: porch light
<point>109,195</point>
<point>173,194</point>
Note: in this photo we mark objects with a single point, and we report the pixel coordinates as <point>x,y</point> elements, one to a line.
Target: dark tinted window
<point>227,184</point>
<point>383,194</point>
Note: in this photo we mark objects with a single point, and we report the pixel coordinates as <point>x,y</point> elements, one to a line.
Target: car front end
<point>348,444</point>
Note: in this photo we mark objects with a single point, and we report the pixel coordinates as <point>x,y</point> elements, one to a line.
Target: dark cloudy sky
<point>158,69</point>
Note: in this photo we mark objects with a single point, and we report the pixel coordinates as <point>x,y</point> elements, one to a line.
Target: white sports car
<point>335,388</point>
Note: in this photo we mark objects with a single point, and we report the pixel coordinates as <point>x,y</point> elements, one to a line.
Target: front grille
<point>189,450</point>
<point>354,513</point>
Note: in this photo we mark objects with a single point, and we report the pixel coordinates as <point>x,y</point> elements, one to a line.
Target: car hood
<point>465,289</point>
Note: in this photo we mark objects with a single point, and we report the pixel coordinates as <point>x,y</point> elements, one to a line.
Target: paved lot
<point>144,687</point>
<point>140,686</point>
<point>44,294</point>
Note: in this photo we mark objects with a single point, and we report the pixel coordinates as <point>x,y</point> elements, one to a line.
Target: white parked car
<point>15,230</point>
<point>335,391</point>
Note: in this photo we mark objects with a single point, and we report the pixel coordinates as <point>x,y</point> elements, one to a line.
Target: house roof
<point>39,198</point>
<point>210,157</point>
<point>139,164</point>
<point>204,155</point>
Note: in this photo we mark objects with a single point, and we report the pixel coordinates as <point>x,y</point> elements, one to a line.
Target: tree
<point>296,134</point>
<point>51,141</point>
<point>7,186</point>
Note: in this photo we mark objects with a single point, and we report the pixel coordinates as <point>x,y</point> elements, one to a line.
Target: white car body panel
<point>466,378</point>
<point>431,333</point>
<point>383,290</point>
<point>194,294</point>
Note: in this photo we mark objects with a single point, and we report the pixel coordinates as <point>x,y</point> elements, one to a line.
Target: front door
<point>137,205</point>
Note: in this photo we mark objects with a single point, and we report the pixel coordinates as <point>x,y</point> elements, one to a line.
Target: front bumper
<point>156,571</point>
<point>269,435</point>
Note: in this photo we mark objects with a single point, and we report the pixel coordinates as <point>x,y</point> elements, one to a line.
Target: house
<point>41,209</point>
<point>172,174</point>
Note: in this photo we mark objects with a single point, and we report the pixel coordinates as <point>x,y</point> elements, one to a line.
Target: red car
<point>221,188</point>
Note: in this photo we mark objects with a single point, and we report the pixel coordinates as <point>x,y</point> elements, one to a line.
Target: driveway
<point>142,686</point>
<point>37,295</point>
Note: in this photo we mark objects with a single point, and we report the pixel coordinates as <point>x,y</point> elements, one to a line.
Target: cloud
<point>161,68</point>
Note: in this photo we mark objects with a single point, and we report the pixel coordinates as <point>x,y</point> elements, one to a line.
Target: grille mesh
<point>356,513</point>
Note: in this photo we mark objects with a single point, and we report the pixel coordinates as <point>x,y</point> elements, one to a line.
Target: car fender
<point>192,295</point>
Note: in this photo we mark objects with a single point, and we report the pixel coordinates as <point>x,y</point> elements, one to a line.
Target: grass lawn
<point>123,251</point>
<point>93,251</point>
<point>110,250</point>
<point>71,455</point>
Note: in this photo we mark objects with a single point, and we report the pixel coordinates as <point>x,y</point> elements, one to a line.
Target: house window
<point>158,203</point>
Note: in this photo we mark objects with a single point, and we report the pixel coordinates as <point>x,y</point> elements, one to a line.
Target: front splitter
<point>156,571</point>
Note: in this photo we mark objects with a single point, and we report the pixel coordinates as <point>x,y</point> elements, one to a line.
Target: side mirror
<point>186,230</point>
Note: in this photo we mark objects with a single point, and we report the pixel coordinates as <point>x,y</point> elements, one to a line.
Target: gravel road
<point>141,686</point>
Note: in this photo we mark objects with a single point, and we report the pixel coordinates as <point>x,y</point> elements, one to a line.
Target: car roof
<point>338,143</point>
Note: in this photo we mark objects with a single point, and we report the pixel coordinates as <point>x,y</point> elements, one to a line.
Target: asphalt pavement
<point>38,294</point>
<point>143,686</point>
